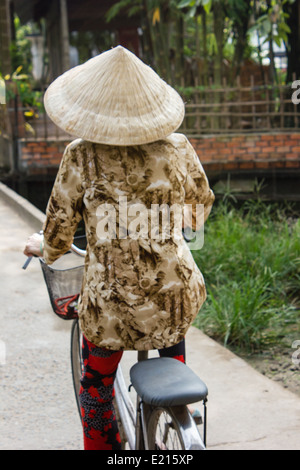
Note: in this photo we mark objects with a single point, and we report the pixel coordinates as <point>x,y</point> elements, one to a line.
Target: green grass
<point>251,265</point>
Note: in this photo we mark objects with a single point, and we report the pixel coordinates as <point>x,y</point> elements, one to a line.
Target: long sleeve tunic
<point>141,289</point>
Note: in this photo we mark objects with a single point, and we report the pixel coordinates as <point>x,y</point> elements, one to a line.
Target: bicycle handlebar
<point>74,248</point>
<point>78,251</point>
<point>27,262</point>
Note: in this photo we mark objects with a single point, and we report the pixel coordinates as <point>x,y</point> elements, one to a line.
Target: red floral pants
<point>99,423</point>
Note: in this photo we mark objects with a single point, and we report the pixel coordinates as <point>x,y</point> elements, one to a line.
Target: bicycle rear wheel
<point>173,428</point>
<point>76,360</point>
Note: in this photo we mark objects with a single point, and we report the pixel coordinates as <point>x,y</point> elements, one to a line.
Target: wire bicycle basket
<point>64,282</point>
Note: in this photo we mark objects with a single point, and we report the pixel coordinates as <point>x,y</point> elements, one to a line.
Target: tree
<point>208,32</point>
<point>163,29</point>
<point>271,25</point>
<point>292,10</point>
<point>230,22</point>
<point>240,14</point>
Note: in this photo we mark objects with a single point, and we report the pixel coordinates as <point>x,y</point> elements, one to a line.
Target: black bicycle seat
<point>164,381</point>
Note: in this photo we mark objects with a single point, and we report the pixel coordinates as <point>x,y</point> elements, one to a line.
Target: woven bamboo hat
<point>114,99</point>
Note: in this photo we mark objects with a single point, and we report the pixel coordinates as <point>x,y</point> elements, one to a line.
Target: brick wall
<point>249,152</point>
<point>217,153</point>
<point>40,157</point>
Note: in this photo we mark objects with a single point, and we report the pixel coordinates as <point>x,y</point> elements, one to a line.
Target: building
<point>250,136</point>
<point>59,20</point>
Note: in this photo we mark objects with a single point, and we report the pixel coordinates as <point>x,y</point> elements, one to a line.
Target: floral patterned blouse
<point>139,292</point>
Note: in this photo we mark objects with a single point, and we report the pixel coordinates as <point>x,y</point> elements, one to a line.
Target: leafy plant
<point>197,37</point>
<point>251,263</point>
<point>20,84</point>
<point>193,5</point>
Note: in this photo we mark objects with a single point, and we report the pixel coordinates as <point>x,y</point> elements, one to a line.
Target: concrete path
<point>246,410</point>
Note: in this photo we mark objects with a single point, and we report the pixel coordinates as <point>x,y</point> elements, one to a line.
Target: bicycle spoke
<point>166,436</point>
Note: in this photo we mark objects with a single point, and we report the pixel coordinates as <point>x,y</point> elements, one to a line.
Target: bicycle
<point>164,387</point>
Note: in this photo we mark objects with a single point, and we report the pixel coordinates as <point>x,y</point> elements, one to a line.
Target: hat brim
<point>89,108</point>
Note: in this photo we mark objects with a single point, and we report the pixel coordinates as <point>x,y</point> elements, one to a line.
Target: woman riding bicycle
<point>141,287</point>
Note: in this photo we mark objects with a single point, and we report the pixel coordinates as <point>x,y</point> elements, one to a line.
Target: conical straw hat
<point>114,99</point>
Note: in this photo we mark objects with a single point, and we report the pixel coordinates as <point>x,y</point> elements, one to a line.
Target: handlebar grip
<point>28,261</point>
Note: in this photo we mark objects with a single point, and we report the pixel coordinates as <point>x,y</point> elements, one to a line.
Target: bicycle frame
<point>126,409</point>
<point>132,419</point>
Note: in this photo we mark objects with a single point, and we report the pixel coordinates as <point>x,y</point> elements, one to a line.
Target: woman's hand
<point>34,245</point>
